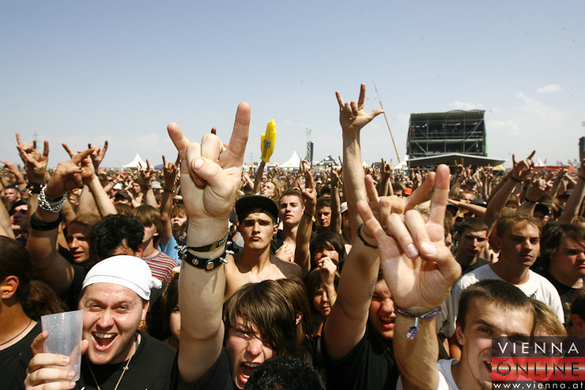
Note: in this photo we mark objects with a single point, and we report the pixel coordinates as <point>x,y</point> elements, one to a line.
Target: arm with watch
<point>210,174</point>
<point>49,265</point>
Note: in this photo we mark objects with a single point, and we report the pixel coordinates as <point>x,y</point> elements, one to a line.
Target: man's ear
<point>9,286</point>
<point>145,311</point>
<point>275,229</point>
<point>139,251</point>
<point>459,335</point>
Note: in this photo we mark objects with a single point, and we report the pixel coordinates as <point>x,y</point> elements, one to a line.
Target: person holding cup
<point>115,299</point>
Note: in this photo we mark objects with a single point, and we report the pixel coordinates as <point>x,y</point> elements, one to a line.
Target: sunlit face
<point>78,240</point>
<point>569,259</point>
<point>324,216</point>
<point>178,220</point>
<point>291,210</point>
<point>472,243</point>
<point>11,195</point>
<point>321,301</point>
<point>19,218</point>
<point>257,229</point>
<point>246,351</point>
<point>485,321</point>
<point>520,245</point>
<point>110,319</point>
<point>267,189</point>
<point>150,232</point>
<point>136,188</point>
<point>382,315</point>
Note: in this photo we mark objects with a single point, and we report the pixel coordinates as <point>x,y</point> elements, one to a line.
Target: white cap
<point>117,186</point>
<point>127,271</point>
<point>343,207</point>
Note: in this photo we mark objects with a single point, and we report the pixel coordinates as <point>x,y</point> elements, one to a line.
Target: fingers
<point>339,99</point>
<point>513,159</point>
<point>178,160</point>
<point>147,165</point>
<point>440,195</point>
<point>400,233</point>
<point>181,143</point>
<point>18,139</point>
<point>531,155</point>
<point>239,138</point>
<point>164,161</point>
<point>386,245</point>
<point>416,227</point>
<point>68,150</point>
<point>106,144</point>
<point>39,342</point>
<point>371,189</point>
<point>46,149</point>
<point>421,192</point>
<point>362,97</point>
<point>76,159</point>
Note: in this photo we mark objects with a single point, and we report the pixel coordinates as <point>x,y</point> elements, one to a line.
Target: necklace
<point>123,369</point>
<point>19,333</point>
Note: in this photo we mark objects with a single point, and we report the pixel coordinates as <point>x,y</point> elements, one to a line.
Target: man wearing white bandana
<point>115,298</point>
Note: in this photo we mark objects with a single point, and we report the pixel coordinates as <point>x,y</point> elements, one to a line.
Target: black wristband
<point>202,263</point>
<point>43,226</point>
<point>35,188</point>
<point>210,247</point>
<point>516,180</point>
<point>359,234</point>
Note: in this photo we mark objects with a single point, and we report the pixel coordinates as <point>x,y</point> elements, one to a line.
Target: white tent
<point>293,162</point>
<point>135,163</point>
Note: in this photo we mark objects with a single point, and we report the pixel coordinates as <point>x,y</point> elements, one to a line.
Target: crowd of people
<point>202,275</point>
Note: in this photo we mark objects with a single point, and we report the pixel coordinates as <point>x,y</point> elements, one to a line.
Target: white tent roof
<point>293,162</point>
<point>135,162</point>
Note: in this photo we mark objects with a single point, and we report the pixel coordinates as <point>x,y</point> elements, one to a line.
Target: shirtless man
<point>258,223</point>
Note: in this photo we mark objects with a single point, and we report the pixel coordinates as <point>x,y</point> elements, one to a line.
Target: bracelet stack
<point>201,262</point>
<point>50,206</point>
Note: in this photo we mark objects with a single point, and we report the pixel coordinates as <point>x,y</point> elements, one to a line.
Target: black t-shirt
<point>567,294</point>
<point>369,365</point>
<point>219,376</point>
<point>14,361</point>
<point>153,367</point>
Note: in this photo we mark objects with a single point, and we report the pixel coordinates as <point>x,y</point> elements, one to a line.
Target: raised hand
<point>352,116</point>
<point>521,168</point>
<point>71,174</point>
<point>34,161</point>
<point>170,171</point>
<point>97,156</point>
<point>417,266</point>
<point>211,172</point>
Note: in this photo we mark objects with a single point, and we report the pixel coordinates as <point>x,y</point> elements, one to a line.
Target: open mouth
<point>103,341</point>
<point>488,365</point>
<point>246,370</point>
<point>387,322</point>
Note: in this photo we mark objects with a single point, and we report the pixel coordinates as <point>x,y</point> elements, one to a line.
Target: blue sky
<point>89,71</point>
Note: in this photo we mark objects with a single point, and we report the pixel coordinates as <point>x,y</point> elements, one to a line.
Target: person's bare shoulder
<point>288,269</point>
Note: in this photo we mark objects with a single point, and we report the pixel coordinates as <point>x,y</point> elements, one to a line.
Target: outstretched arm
<point>210,175</point>
<point>577,196</point>
<point>48,264</point>
<point>419,270</point>
<point>303,242</point>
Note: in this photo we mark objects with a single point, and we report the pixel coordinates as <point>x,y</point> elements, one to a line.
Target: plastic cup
<point>65,332</point>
